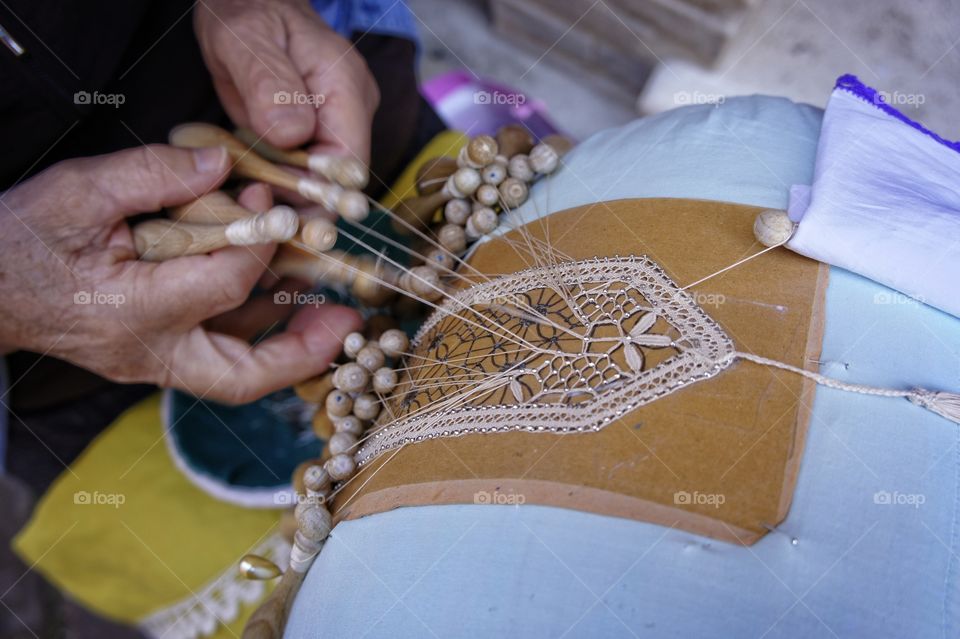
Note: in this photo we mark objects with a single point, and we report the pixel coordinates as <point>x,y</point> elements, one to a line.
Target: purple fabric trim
<point>852,84</point>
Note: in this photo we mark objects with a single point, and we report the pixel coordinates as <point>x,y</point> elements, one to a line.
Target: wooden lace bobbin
<point>348,203</point>
<point>418,211</point>
<point>315,389</point>
<point>219,208</point>
<point>513,192</point>
<point>215,207</point>
<point>478,152</point>
<point>394,343</point>
<point>159,239</point>
<point>512,140</point>
<point>347,172</point>
<point>323,425</point>
<point>452,237</point>
<point>487,194</point>
<point>481,222</point>
<point>319,233</point>
<point>440,260</point>
<point>494,173</point>
<point>433,173</point>
<point>422,281</point>
<point>268,620</point>
<point>519,168</point>
<point>361,273</point>
<point>457,211</point>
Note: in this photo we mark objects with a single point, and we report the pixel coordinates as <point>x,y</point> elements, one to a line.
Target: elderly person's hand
<point>282,72</point>
<point>71,285</point>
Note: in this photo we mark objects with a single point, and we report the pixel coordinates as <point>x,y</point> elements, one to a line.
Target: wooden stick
<point>512,140</point>
<point>347,172</point>
<point>417,211</point>
<point>215,207</point>
<point>348,203</point>
<point>361,273</point>
<point>219,208</point>
<point>433,173</point>
<point>159,240</point>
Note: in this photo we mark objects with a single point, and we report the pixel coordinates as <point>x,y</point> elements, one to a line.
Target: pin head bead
<point>480,151</point>
<point>481,222</point>
<point>366,406</point>
<point>350,424</point>
<point>493,173</point>
<point>513,191</point>
<point>338,404</point>
<point>353,343</point>
<point>456,211</point>
<point>313,521</point>
<point>394,342</point>
<point>440,260</point>
<point>465,182</point>
<point>371,357</point>
<point>772,227</point>
<point>384,380</point>
<point>424,282</point>
<point>351,377</point>
<point>315,478</point>
<point>487,194</point>
<point>544,158</point>
<point>341,443</point>
<point>341,467</point>
<point>452,237</point>
<point>519,167</point>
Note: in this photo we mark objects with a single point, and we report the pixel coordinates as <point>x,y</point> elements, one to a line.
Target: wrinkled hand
<point>70,284</point>
<point>281,71</point>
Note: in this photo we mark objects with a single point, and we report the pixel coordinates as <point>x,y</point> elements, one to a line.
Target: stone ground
<point>795,48</point>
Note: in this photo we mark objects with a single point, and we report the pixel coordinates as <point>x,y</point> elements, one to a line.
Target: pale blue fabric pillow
<point>858,569</point>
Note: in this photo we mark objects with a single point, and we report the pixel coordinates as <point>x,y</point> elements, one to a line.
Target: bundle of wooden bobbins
<point>489,175</point>
<point>458,202</point>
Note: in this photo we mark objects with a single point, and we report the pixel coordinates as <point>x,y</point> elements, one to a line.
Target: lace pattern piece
<point>564,348</point>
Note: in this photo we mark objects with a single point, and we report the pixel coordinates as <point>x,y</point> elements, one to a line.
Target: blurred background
<point>599,63</point>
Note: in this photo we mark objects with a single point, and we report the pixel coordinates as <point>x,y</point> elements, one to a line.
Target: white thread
<point>735,264</point>
<point>279,224</point>
<point>942,403</point>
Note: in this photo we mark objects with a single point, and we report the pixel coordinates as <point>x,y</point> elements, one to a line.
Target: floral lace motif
<point>564,348</point>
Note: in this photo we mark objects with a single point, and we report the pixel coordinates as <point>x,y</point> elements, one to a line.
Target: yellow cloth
<point>124,533</point>
<point>447,143</point>
<point>152,540</point>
